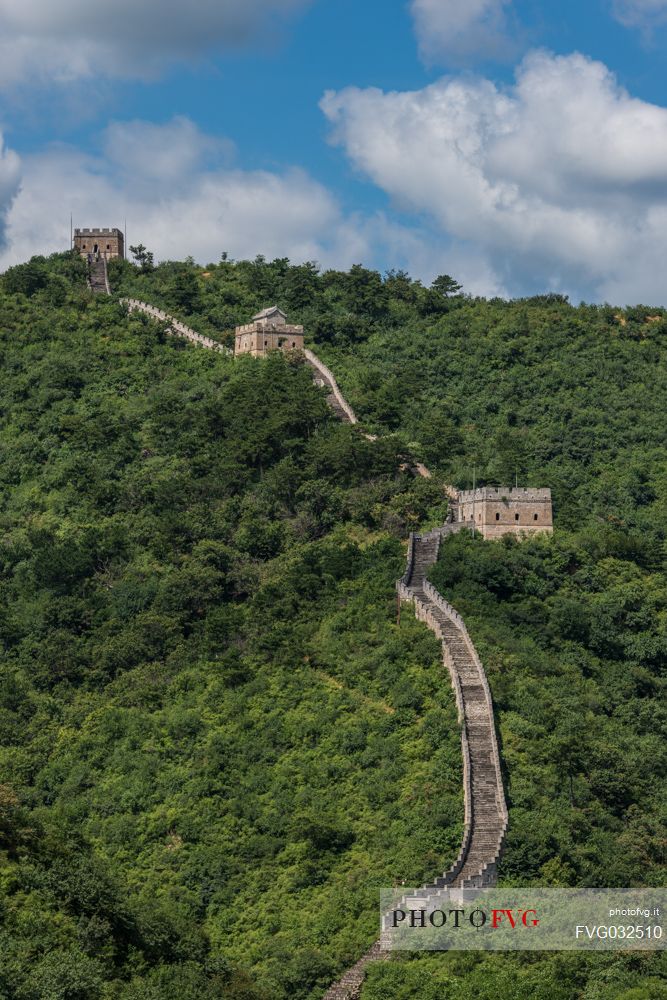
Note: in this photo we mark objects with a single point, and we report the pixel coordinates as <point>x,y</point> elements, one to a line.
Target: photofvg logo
<point>476,917</point>
<point>532,919</point>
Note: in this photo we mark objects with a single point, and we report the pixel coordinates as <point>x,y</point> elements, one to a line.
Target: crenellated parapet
<point>485,809</point>
<point>174,326</point>
<point>269,331</point>
<point>519,494</point>
<point>495,511</point>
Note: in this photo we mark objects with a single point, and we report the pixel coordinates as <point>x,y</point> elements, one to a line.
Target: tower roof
<point>269,313</point>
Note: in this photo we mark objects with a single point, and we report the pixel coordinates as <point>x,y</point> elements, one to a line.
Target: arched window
<point>497,517</point>
<point>534,517</point>
<point>516,517</point>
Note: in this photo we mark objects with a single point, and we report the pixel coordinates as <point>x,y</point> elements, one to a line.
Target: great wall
<point>485,809</point>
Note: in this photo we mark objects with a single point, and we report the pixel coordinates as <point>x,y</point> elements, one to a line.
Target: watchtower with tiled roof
<point>269,331</point>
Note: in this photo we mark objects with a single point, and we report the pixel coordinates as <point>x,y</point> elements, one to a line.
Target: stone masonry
<point>323,377</point>
<point>107,243</point>
<point>485,811</point>
<point>269,331</point>
<point>174,326</point>
<point>98,279</point>
<point>506,510</point>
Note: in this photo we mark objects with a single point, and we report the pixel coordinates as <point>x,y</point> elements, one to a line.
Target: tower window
<point>516,517</point>
<point>534,517</point>
<point>497,517</point>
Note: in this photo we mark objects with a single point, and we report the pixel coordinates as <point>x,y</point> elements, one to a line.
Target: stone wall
<point>326,378</point>
<point>174,326</point>
<point>485,809</point>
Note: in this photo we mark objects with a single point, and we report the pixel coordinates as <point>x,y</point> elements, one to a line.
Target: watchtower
<point>495,511</point>
<point>269,331</point>
<point>107,243</point>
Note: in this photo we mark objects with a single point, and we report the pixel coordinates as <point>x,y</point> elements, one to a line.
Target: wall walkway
<point>174,326</point>
<point>485,810</point>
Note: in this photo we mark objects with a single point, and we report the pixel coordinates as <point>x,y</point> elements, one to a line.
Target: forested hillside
<point>216,741</point>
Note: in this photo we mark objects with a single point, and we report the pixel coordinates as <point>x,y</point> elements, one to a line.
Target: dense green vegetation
<point>216,742</point>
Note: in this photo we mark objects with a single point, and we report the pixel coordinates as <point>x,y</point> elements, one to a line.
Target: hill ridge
<point>485,809</point>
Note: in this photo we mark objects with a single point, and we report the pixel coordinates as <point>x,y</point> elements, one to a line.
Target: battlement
<point>97,232</point>
<point>513,493</point>
<point>95,244</point>
<point>269,331</point>
<point>282,328</point>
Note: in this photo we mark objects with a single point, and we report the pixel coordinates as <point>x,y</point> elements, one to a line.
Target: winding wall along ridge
<point>325,375</point>
<point>175,327</point>
<point>485,810</point>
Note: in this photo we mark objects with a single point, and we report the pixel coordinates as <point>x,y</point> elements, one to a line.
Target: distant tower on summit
<point>269,331</point>
<point>106,243</point>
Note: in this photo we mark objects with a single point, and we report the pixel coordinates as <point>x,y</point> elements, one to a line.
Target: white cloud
<point>166,154</point>
<point>559,182</point>
<point>181,197</point>
<point>177,206</point>
<point>644,14</point>
<point>10,168</point>
<point>43,40</point>
<point>456,31</point>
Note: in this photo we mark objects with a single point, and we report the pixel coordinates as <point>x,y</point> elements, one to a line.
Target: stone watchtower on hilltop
<point>495,511</point>
<point>269,331</point>
<point>99,243</point>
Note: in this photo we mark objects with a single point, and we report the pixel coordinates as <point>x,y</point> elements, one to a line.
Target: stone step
<point>487,796</point>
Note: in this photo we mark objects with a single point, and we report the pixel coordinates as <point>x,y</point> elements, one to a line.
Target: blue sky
<point>520,146</point>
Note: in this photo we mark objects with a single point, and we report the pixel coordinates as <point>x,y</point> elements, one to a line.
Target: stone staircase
<point>350,984</point>
<point>485,811</point>
<point>323,377</point>
<point>174,326</point>
<point>484,797</point>
<point>98,280</point>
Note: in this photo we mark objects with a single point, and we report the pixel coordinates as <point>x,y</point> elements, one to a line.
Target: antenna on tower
<point>71,231</point>
<point>474,486</point>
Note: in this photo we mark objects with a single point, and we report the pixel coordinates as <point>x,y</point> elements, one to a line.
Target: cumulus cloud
<point>197,203</point>
<point>560,181</point>
<point>42,40</point>
<point>644,14</point>
<point>9,184</point>
<point>178,206</point>
<point>455,32</point>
